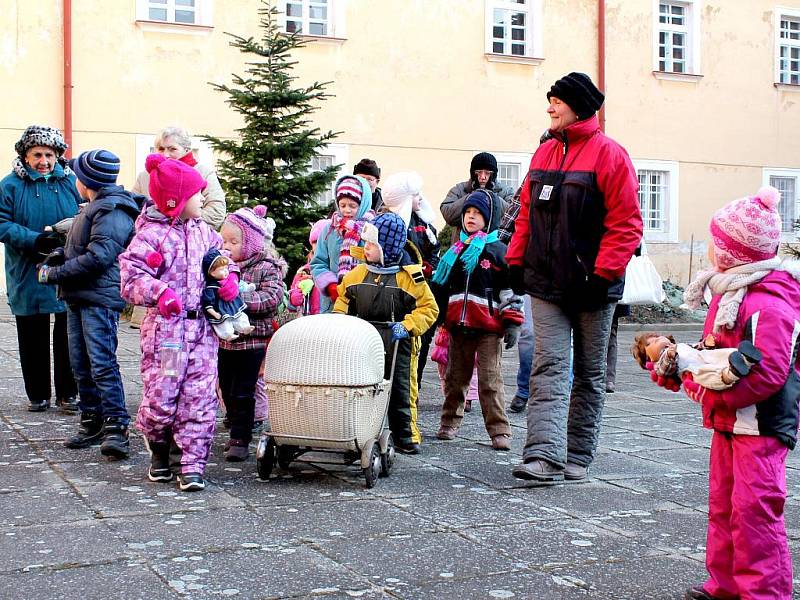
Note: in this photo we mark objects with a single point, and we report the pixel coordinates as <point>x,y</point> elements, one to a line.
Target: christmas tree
<point>270,163</point>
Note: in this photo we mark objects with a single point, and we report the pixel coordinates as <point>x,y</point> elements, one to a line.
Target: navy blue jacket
<point>99,234</point>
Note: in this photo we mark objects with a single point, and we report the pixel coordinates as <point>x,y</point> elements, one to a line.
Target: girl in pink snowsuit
<point>755,296</point>
<point>162,270</point>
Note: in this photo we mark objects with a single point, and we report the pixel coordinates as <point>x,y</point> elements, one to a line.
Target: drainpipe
<point>601,57</point>
<point>68,75</point>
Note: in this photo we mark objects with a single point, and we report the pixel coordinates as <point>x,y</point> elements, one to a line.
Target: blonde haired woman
<point>176,143</point>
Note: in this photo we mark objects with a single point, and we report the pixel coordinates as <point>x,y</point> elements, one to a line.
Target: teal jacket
<point>28,203</point>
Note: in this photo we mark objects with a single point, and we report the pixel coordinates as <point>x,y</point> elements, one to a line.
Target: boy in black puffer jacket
<point>474,293</point>
<point>87,273</point>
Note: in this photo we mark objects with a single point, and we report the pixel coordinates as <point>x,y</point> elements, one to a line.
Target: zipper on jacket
<point>464,305</point>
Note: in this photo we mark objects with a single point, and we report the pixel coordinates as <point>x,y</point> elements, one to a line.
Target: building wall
<point>413,89</point>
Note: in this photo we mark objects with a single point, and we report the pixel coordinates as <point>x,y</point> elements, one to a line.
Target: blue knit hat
<point>96,168</point>
<point>482,200</point>
<point>389,232</point>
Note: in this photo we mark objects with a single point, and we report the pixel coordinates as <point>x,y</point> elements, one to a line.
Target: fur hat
<point>747,230</point>
<point>398,193</point>
<point>96,168</point>
<point>257,229</point>
<point>580,94</point>
<point>172,183</point>
<point>389,232</point>
<point>39,135</point>
<point>482,200</point>
<point>316,230</point>
<point>367,166</point>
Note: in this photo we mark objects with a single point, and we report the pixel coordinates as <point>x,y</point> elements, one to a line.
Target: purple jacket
<point>764,402</point>
<point>182,244</point>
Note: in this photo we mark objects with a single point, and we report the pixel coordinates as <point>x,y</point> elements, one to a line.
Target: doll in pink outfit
<point>439,355</point>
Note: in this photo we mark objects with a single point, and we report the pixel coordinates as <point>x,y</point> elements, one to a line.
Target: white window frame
<point>670,234</point>
<point>201,149</point>
<point>522,159</point>
<point>693,40</point>
<point>780,13</point>
<point>533,30</point>
<point>337,19</point>
<point>204,13</point>
<point>789,236</point>
<point>341,156</point>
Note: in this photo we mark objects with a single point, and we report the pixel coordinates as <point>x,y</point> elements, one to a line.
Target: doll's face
<point>372,252</point>
<point>232,240</point>
<point>473,220</point>
<point>347,206</point>
<point>219,272</point>
<point>655,346</point>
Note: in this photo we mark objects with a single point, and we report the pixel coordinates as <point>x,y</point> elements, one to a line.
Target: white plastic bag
<point>643,284</point>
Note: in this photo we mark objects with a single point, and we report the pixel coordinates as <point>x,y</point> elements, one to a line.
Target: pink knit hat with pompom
<point>747,230</point>
<point>257,229</point>
<point>172,183</point>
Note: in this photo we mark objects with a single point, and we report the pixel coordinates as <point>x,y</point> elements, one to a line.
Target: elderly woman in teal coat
<point>38,193</point>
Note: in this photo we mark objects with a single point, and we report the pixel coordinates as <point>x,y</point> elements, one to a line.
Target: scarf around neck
<point>732,285</point>
<point>468,250</point>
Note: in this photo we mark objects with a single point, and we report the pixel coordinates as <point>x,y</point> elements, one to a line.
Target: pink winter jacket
<point>182,244</point>
<point>764,402</point>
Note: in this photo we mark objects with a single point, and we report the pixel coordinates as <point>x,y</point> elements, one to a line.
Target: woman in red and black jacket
<point>578,225</point>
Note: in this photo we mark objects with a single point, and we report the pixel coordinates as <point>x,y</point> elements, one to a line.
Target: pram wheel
<point>266,461</point>
<point>373,469</point>
<point>387,458</point>
<point>286,455</point>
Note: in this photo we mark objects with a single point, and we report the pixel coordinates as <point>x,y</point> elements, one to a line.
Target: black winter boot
<point>159,470</point>
<point>115,440</point>
<point>90,432</point>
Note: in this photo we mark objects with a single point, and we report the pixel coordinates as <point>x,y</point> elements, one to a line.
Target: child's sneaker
<point>467,405</point>
<point>447,433</point>
<point>191,482</point>
<point>501,441</point>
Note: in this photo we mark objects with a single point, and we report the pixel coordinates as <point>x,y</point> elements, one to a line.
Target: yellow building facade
<point>704,95</point>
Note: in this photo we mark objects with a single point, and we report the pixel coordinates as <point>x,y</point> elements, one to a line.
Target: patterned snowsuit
<point>182,407</point>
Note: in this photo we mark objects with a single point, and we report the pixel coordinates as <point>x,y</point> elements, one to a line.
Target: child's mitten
<point>399,332</point>
<point>511,336</point>
<point>169,303</point>
<point>333,291</point>
<point>229,288</point>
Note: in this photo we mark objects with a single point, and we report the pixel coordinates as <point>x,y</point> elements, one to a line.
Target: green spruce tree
<point>270,163</point>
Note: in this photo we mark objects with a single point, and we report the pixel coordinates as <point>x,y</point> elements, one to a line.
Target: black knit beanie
<point>367,166</point>
<point>580,94</point>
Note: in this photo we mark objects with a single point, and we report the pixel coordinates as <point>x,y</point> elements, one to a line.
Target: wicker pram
<point>327,392</point>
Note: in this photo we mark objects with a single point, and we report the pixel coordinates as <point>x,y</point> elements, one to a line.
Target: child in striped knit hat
<point>332,260</point>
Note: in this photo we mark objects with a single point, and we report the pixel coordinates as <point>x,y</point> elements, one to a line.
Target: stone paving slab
<point>449,523</point>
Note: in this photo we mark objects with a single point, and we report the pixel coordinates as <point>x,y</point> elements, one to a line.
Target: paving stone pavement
<point>449,523</point>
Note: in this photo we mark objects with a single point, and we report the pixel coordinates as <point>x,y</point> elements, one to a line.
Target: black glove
<point>46,242</point>
<point>55,258</point>
<point>511,336</point>
<point>516,279</point>
<point>596,292</point>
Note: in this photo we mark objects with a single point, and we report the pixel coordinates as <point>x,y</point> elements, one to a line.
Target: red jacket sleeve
<point>515,253</point>
<point>619,185</point>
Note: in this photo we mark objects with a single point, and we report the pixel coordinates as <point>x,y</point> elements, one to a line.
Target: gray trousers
<point>564,423</point>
